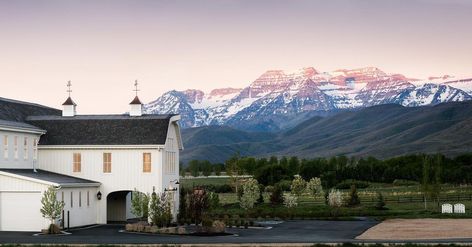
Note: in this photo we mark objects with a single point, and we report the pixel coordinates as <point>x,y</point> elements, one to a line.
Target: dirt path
<point>417,229</point>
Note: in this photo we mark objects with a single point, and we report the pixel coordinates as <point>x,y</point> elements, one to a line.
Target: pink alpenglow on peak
<point>280,93</point>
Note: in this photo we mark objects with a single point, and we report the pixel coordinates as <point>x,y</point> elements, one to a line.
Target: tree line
<point>335,170</point>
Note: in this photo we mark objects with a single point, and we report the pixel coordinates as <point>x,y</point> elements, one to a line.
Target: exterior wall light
<point>99,195</point>
<point>171,188</point>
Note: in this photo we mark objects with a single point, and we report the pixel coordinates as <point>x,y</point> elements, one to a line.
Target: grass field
<point>401,201</point>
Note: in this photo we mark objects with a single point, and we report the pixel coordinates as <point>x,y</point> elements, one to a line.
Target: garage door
<point>19,211</point>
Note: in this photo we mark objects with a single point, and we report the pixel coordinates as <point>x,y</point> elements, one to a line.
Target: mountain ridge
<point>276,95</point>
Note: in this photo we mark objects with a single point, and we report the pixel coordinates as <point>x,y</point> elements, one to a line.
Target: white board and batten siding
<point>171,163</point>
<point>81,204</point>
<point>126,169</point>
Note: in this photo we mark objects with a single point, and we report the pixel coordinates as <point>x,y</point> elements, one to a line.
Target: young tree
<point>51,208</point>
<point>290,200</point>
<point>353,197</point>
<point>298,185</point>
<point>154,209</point>
<point>198,204</point>
<point>139,204</point>
<point>160,212</point>
<point>250,194</point>
<point>182,216</point>
<point>233,170</point>
<point>165,205</point>
<point>335,200</point>
<point>313,187</point>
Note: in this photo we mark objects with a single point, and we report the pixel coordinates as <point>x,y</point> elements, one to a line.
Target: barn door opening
<point>118,206</point>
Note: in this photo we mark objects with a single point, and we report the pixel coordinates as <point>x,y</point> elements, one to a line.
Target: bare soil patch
<point>419,229</point>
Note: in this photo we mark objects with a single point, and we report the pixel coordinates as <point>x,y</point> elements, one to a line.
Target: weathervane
<point>136,87</point>
<point>68,87</point>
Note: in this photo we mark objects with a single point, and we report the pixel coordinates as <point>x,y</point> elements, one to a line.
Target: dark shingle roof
<point>102,129</point>
<point>19,125</point>
<point>49,176</point>
<point>69,101</point>
<point>14,110</point>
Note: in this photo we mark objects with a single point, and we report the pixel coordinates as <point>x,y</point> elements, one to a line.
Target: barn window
<point>77,163</point>
<point>147,162</point>
<point>107,162</point>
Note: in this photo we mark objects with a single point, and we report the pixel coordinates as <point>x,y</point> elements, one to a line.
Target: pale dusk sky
<point>103,46</point>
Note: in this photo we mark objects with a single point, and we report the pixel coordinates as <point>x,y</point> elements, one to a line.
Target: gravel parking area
<point>419,229</point>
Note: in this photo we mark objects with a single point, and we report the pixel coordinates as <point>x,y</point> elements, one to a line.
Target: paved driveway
<point>307,231</point>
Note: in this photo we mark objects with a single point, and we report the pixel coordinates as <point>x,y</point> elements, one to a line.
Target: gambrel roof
<point>102,129</point>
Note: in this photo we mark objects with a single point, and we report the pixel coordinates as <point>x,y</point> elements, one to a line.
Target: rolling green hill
<point>381,131</point>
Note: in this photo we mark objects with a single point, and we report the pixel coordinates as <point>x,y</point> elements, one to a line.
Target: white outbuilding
<point>94,162</point>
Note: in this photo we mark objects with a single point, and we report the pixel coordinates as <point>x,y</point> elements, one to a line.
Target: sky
<point>103,46</point>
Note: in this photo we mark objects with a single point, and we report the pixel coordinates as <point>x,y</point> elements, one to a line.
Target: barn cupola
<point>69,106</point>
<point>136,105</point>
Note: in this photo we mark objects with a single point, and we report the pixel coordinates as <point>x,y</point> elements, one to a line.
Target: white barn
<point>94,161</point>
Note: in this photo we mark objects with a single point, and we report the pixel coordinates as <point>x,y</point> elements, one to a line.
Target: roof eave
<point>25,130</point>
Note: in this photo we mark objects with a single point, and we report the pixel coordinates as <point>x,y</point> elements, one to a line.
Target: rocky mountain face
<point>277,97</point>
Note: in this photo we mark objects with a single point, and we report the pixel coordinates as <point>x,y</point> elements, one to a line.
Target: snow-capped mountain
<point>277,96</point>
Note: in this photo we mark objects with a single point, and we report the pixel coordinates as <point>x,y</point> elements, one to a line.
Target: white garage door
<point>19,211</point>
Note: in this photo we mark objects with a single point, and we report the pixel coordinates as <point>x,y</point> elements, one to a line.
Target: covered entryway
<point>118,206</point>
<point>19,211</point>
